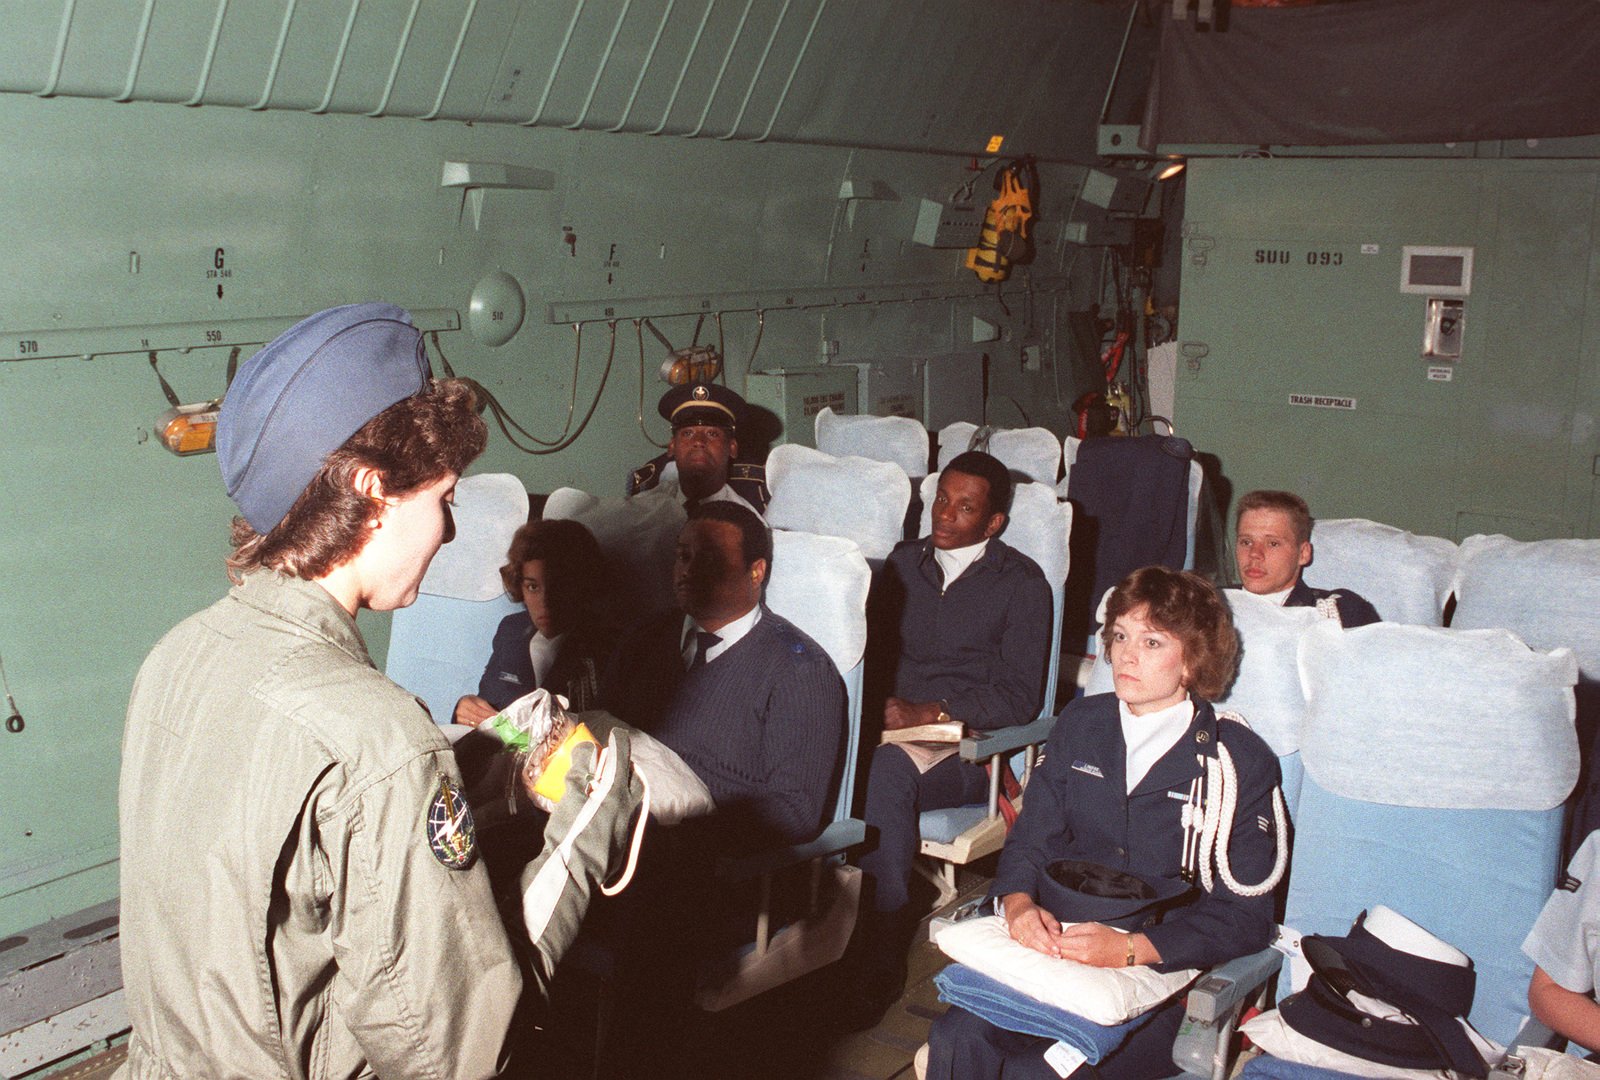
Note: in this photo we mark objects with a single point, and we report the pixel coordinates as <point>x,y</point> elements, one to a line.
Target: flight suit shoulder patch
<point>452,836</point>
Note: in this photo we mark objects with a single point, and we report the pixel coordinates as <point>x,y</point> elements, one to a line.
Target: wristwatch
<point>944,713</point>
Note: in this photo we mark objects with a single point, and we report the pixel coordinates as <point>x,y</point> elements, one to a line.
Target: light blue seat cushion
<point>943,826</point>
<point>1475,878</point>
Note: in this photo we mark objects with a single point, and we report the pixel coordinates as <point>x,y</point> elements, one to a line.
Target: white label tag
<point>1441,373</point>
<point>1322,401</point>
<point>1064,1059</point>
<point>1369,249</point>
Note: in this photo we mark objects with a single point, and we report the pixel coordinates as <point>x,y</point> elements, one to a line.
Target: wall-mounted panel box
<point>796,395</point>
<point>1436,271</point>
<point>891,386</point>
<point>948,225</point>
<point>1110,232</point>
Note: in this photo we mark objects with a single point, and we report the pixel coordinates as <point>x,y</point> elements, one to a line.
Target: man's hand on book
<point>898,713</point>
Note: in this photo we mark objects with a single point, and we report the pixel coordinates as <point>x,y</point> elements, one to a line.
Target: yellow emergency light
<point>190,429</point>
<point>697,364</point>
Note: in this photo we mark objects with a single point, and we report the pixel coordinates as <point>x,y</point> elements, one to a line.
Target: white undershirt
<point>1277,597</point>
<point>730,634</point>
<point>954,562</point>
<point>1150,736</point>
<point>542,653</point>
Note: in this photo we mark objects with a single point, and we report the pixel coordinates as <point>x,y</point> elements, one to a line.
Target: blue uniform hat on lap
<point>1075,890</point>
<point>310,389</point>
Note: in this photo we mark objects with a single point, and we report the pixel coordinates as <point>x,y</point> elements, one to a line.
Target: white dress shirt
<point>730,634</point>
<point>954,562</point>
<point>1149,736</point>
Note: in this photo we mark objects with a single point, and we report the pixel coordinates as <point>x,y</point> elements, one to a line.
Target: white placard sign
<point>1322,401</point>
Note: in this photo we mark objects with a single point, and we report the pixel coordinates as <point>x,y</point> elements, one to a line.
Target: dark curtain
<point>1380,72</point>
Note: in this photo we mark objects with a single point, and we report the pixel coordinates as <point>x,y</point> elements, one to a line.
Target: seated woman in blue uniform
<point>1119,771</point>
<point>556,569</point>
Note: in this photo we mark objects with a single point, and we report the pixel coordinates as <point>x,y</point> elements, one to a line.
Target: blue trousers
<point>962,1046</point>
<point>896,795</point>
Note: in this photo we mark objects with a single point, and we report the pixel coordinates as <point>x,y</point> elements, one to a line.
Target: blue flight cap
<point>310,389</point>
<point>1076,890</point>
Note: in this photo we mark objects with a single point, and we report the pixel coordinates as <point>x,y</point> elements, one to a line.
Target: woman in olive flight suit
<point>300,893</point>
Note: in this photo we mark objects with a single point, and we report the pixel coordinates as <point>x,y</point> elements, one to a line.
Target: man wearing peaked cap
<point>286,808</point>
<point>705,418</point>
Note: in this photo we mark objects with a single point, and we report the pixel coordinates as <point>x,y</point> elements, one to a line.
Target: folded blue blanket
<point>1016,1011</point>
<point>1271,1068</point>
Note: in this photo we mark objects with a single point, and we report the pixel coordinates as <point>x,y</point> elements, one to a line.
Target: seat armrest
<point>1221,989</point>
<point>1534,1033</point>
<point>837,838</point>
<point>983,745</point>
<point>1204,1038</point>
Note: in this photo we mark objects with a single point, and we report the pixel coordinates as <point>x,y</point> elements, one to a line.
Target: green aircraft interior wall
<point>118,216</point>
<point>1291,285</point>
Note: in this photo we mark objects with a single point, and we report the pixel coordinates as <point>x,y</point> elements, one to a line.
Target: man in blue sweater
<point>757,710</point>
<point>751,704</point>
<point>959,629</point>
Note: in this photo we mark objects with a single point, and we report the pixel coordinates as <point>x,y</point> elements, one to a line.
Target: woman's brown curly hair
<point>574,567</point>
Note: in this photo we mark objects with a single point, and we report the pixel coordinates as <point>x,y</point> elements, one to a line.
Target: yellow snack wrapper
<point>552,782</point>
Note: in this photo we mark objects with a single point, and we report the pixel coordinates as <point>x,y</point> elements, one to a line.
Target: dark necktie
<point>704,641</point>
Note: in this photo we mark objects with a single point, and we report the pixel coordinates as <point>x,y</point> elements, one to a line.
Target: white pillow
<point>1108,996</point>
<point>1034,452</point>
<point>1272,1034</point>
<point>1547,592</point>
<point>897,439</point>
<point>854,497</point>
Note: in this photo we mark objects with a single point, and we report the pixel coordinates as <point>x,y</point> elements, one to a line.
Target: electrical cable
<point>964,190</point>
<point>638,329</point>
<point>761,329</point>
<point>722,352</point>
<point>14,722</point>
<point>506,422</point>
<point>503,415</point>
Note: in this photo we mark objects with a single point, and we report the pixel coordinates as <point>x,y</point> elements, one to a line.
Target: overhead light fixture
<point>1172,168</point>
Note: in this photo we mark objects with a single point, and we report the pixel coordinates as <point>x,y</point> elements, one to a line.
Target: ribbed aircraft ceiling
<point>933,75</point>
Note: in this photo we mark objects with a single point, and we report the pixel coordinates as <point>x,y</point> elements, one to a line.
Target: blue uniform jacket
<point>1353,609</point>
<point>509,673</point>
<point>1077,807</point>
<point>982,646</point>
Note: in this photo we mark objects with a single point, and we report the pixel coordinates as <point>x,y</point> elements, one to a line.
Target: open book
<point>948,732</point>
